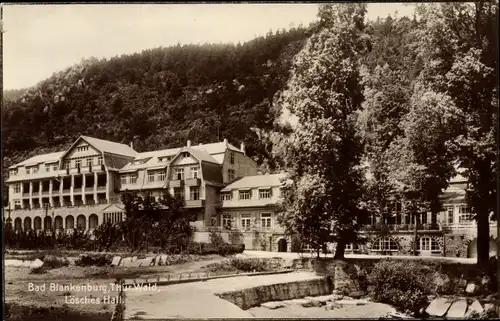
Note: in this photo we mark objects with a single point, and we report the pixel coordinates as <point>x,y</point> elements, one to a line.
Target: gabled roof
<point>39,159</point>
<point>107,146</point>
<point>200,154</point>
<point>268,180</point>
<point>216,148</point>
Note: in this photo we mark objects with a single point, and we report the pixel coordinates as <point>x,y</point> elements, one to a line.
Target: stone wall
<point>248,298</point>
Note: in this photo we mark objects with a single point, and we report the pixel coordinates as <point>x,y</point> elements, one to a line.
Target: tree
<point>149,222</point>
<point>459,49</point>
<point>322,155</point>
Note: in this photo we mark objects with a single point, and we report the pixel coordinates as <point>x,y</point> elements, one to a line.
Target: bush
<point>403,284</point>
<point>87,260</point>
<point>252,265</point>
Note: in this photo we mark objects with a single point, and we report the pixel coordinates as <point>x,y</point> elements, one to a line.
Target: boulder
<point>116,260</point>
<point>322,299</point>
<point>438,307</point>
<point>158,261</point>
<point>126,262</point>
<point>311,303</point>
<point>457,309</point>
<point>36,264</point>
<point>474,308</point>
<point>356,294</point>
<point>488,307</point>
<point>471,288</point>
<point>297,302</point>
<point>145,262</point>
<point>273,305</point>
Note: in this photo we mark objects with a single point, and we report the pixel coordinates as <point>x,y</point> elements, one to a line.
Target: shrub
<point>403,284</point>
<point>87,260</point>
<point>251,265</point>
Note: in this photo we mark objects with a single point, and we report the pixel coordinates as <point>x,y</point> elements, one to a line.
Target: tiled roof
<point>110,147</point>
<point>267,180</point>
<point>39,159</point>
<point>200,154</point>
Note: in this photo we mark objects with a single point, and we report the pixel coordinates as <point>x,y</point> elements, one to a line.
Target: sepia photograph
<point>334,160</point>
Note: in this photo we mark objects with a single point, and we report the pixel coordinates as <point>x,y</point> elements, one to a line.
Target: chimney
<point>188,143</point>
<point>242,147</point>
<point>225,141</point>
<point>132,145</point>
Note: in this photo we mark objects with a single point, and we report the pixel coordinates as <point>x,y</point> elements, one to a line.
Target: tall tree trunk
<point>483,235</point>
<point>340,250</point>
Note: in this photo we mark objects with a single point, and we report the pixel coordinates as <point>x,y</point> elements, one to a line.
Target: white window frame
<point>28,170</point>
<point>123,179</point>
<point>162,176</point>
<point>464,214</point>
<point>428,244</point>
<point>55,167</point>
<point>225,196</point>
<point>381,244</point>
<point>246,222</point>
<point>180,192</point>
<point>100,160</point>
<point>47,167</point>
<point>245,192</point>
<point>450,213</point>
<point>17,188</point>
<point>231,158</point>
<point>78,163</point>
<point>132,178</point>
<point>227,221</point>
<point>266,221</point>
<point>35,169</point>
<point>67,164</point>
<point>193,191</point>
<point>151,177</point>
<point>88,162</point>
<point>195,171</point>
<point>177,171</point>
<point>265,192</point>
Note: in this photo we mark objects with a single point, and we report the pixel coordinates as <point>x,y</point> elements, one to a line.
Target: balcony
<point>45,193</point>
<point>193,182</point>
<point>400,227</point>
<point>77,190</point>
<point>89,189</point>
<point>195,203</point>
<point>66,191</point>
<point>176,183</point>
<point>35,194</point>
<point>26,195</point>
<point>101,188</point>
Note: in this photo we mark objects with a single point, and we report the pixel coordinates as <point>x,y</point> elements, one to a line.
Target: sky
<point>39,40</point>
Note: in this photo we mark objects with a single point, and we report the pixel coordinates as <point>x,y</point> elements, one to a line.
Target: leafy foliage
<point>323,151</point>
<point>164,223</point>
<point>400,283</point>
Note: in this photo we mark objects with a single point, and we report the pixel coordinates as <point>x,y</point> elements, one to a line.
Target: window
<point>17,188</point>
<point>99,160</point>
<point>124,179</point>
<point>161,176</point>
<point>265,221</point>
<point>231,158</point>
<point>245,195</point>
<point>231,175</point>
<point>67,164</point>
<point>17,204</point>
<point>35,170</point>
<point>78,163</point>
<point>185,155</point>
<point>428,244</point>
<point>178,174</point>
<point>133,179</point>
<point>385,244</point>
<point>264,193</point>
<point>226,196</point>
<point>179,192</point>
<point>149,195</point>
<point>227,221</point>
<point>464,214</point>
<point>82,148</point>
<point>47,167</point>
<point>89,162</point>
<point>13,172</point>
<point>348,247</point>
<point>151,177</point>
<point>195,172</point>
<point>246,221</point>
<point>55,167</point>
<point>449,214</point>
<point>194,193</point>
<point>28,170</point>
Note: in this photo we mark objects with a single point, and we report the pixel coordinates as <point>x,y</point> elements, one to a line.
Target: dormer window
<point>35,170</point>
<point>185,155</point>
<point>13,172</point>
<point>28,170</point>
<point>47,167</point>
<point>55,167</point>
<point>265,193</point>
<point>225,196</point>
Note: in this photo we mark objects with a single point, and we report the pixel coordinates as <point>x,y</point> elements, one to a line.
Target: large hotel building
<point>80,188</point>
